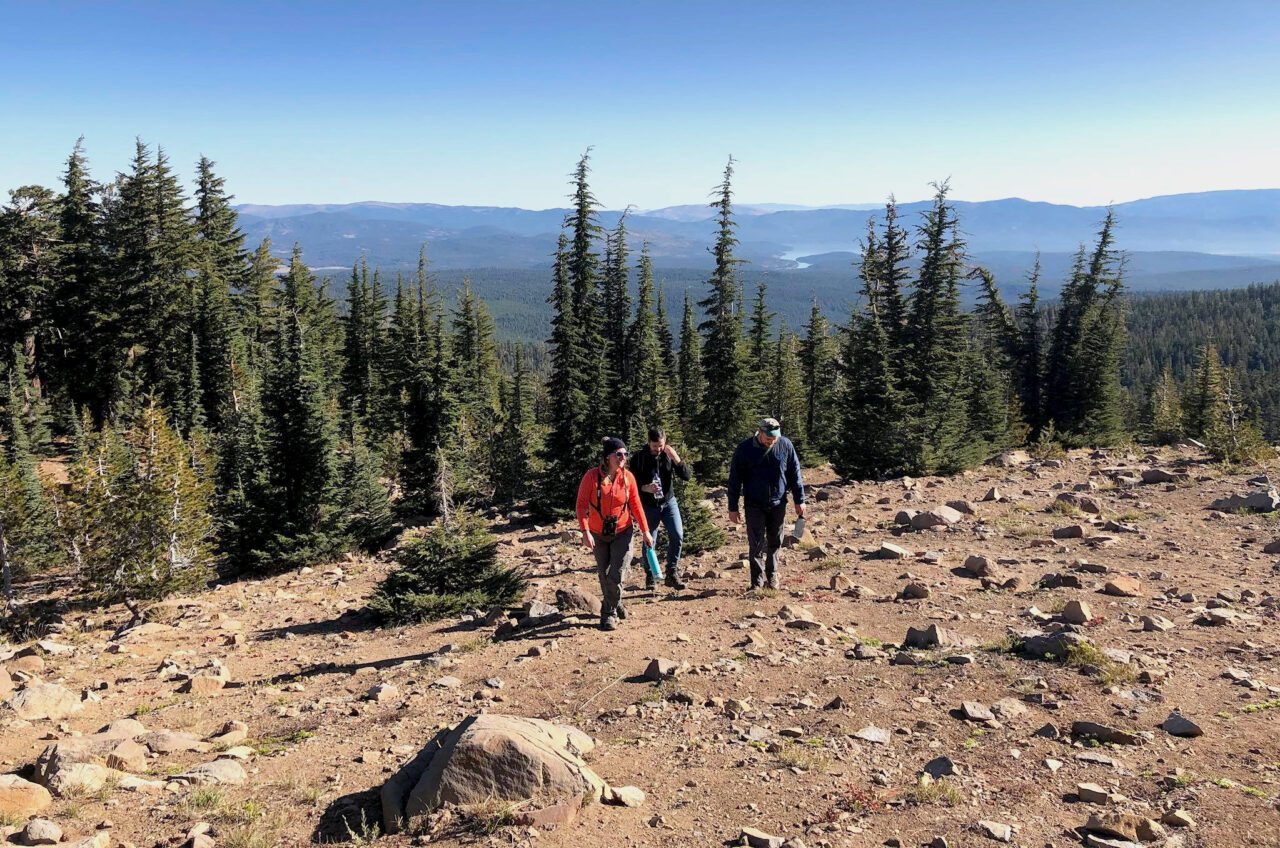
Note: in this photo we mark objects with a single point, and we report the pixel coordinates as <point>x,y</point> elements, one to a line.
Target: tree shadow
<point>351,621</point>
<point>354,814</point>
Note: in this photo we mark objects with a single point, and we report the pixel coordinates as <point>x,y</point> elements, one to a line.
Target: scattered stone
<point>980,566</point>
<point>1119,825</point>
<point>1071,531</point>
<point>1103,733</point>
<point>759,839</point>
<point>932,637</point>
<point>1084,503</point>
<point>915,592</point>
<point>973,711</point>
<point>1123,587</point>
<point>942,516</point>
<point>1179,725</point>
<point>1159,475</point>
<point>994,494</point>
<point>871,733</point>
<point>940,767</point>
<point>383,692</point>
<point>1092,793</point>
<point>1178,818</point>
<point>661,668</point>
<point>962,507</point>
<point>172,742</point>
<point>1156,624</point>
<point>446,682</point>
<point>625,796</point>
<point>1077,612</point>
<point>573,599</point>
<point>1268,501</point>
<point>222,772</point>
<point>998,831</point>
<point>128,755</point>
<point>888,550</point>
<point>1272,547</point>
<point>41,832</point>
<point>840,583</point>
<point>1051,645</point>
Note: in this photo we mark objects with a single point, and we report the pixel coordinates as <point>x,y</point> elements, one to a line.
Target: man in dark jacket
<point>764,469</point>
<point>655,470</point>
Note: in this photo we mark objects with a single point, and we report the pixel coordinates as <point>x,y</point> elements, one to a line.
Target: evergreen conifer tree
<point>648,384</point>
<point>515,447</point>
<point>82,300</point>
<point>786,399</point>
<point>1202,406</point>
<point>300,422</point>
<point>875,413</point>
<point>1164,416</point>
<point>817,357</point>
<point>724,414</point>
<point>939,347</point>
<point>760,356</point>
<point>689,379</point>
<point>137,514</point>
<point>362,499</point>
<point>619,362</point>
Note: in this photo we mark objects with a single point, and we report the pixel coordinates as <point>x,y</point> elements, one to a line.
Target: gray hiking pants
<point>613,558</point>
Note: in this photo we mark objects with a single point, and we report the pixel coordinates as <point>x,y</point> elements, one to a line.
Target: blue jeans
<point>667,515</point>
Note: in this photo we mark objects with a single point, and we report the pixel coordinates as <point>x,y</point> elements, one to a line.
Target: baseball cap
<point>770,427</point>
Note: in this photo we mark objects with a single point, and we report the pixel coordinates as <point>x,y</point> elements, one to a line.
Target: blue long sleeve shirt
<point>763,477</point>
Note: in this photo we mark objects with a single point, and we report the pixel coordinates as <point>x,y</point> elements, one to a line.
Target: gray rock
<point>759,839</point>
<point>888,550</point>
<point>940,767</point>
<point>661,668</point>
<point>1052,645</point>
<point>932,636</point>
<point>41,832</point>
<point>975,711</point>
<point>222,772</point>
<point>493,758</point>
<point>1268,501</point>
<point>1159,475</point>
<point>573,599</point>
<point>1072,531</point>
<point>1077,612</point>
<point>1179,725</point>
<point>998,831</point>
<point>942,516</point>
<point>45,701</point>
<point>871,733</point>
<point>20,798</point>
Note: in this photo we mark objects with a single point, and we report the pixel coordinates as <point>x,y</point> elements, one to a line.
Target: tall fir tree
<point>618,360</point>
<point>1202,405</point>
<point>515,448</point>
<point>760,352</point>
<point>817,357</point>
<point>724,414</point>
<point>939,346</point>
<point>82,299</point>
<point>301,422</point>
<point>875,413</point>
<point>689,380</point>
<point>786,399</point>
<point>648,386</point>
<point>1164,410</point>
<point>475,390</point>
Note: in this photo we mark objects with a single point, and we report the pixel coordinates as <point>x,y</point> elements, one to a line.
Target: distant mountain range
<point>1244,225</point>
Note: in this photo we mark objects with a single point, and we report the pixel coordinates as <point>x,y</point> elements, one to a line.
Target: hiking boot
<point>757,584</point>
<point>773,581</point>
<point>649,583</point>
<point>620,612</point>
<point>608,623</point>
<point>673,581</point>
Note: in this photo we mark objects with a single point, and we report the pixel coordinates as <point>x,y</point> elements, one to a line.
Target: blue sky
<point>492,102</point>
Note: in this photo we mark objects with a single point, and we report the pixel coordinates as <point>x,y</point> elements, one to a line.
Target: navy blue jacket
<point>763,477</point>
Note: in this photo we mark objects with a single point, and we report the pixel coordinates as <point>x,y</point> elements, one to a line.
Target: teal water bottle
<point>651,561</point>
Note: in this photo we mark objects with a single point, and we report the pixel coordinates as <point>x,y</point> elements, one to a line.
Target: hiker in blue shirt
<point>764,469</point>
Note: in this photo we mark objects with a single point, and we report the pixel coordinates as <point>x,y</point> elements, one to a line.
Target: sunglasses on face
<point>620,454</point>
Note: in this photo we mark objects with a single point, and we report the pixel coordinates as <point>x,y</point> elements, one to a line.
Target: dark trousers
<point>666,516</point>
<point>613,558</point>
<point>764,537</point>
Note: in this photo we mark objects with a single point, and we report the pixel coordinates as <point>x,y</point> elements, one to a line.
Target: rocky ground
<point>1097,662</point>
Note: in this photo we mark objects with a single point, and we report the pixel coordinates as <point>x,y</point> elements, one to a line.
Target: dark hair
<point>657,434</point>
<point>611,444</point>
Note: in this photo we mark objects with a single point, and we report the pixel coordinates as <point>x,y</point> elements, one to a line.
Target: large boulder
<point>45,700</point>
<point>493,758</point>
<point>1266,501</point>
<point>76,765</point>
<point>20,798</point>
<point>942,516</point>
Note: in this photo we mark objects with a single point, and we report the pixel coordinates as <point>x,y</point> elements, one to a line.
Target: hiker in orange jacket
<point>609,511</point>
